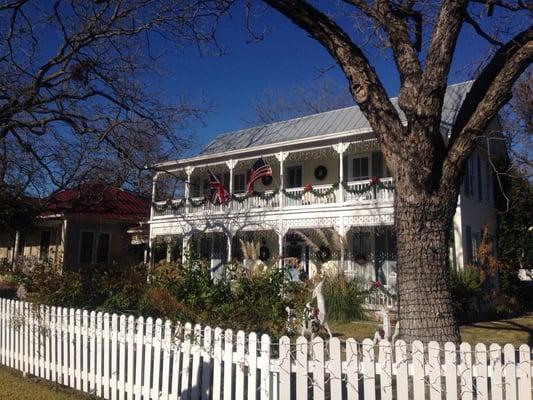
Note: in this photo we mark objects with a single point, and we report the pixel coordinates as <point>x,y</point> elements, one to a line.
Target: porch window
<point>361,247</point>
<point>294,174</point>
<point>239,183</point>
<point>102,248</point>
<point>44,247</point>
<point>360,168</point>
<point>86,247</point>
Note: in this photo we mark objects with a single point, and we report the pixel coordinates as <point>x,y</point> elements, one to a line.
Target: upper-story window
<point>294,176</point>
<point>360,168</point>
<point>239,183</point>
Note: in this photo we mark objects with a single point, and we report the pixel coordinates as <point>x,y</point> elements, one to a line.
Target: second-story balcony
<point>351,193</point>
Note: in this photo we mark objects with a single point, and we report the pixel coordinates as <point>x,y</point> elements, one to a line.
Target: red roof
<point>101,200</point>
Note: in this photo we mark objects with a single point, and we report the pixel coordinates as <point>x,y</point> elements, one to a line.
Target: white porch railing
<point>368,193</point>
<point>302,198</point>
<point>293,198</point>
<point>168,209</point>
<point>117,357</point>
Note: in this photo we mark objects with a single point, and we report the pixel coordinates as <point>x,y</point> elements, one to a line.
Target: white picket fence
<point>120,357</point>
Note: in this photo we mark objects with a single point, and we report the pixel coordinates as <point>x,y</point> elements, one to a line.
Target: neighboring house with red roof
<point>93,223</point>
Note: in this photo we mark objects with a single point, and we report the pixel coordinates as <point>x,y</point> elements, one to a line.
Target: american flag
<point>219,194</point>
<point>259,170</point>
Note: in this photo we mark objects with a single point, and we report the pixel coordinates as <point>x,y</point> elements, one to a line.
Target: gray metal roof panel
<point>329,122</point>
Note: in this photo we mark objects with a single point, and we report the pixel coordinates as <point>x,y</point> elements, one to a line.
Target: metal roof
<point>329,122</point>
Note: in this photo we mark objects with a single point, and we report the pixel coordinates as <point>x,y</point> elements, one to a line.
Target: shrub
<point>466,287</point>
<point>344,298</point>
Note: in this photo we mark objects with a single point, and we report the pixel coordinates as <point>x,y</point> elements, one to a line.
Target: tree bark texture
<point>423,231</point>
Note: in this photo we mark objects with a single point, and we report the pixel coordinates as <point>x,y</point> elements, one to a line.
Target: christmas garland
<point>197,202</point>
<point>241,198</point>
<point>309,189</point>
<point>169,204</point>
<point>375,184</point>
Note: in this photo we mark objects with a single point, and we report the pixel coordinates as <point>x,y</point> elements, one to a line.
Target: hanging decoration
<point>197,202</point>
<point>375,184</point>
<point>321,172</point>
<point>309,189</point>
<point>241,198</point>
<point>169,205</point>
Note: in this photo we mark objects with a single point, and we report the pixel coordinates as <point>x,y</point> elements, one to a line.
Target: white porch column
<point>154,182</point>
<point>169,252</point>
<point>342,233</point>
<point>184,249</point>
<point>229,237</point>
<point>281,234</point>
<point>341,148</point>
<point>281,156</point>
<point>230,164</point>
<point>15,248</point>
<point>187,189</point>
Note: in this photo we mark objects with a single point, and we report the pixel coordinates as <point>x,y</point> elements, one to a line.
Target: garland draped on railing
<point>309,189</point>
<point>374,185</point>
<point>377,185</point>
<point>241,198</point>
<point>169,204</point>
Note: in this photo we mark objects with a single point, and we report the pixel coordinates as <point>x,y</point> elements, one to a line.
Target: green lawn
<point>516,331</point>
<point>14,387</point>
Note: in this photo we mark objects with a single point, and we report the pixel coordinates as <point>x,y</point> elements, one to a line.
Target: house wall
<point>119,241</point>
<point>31,243</point>
<point>475,207</point>
<point>7,241</point>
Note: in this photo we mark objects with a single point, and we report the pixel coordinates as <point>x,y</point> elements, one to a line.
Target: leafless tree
<point>517,121</point>
<point>427,167</point>
<point>73,105</point>
<point>322,95</point>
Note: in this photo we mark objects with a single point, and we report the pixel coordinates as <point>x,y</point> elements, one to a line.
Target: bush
<point>466,288</point>
<point>344,298</point>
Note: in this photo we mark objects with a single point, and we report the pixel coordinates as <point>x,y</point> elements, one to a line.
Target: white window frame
<point>351,157</point>
<point>286,176</point>
<point>238,190</point>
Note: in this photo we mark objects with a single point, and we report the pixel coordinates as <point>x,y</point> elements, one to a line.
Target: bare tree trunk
<point>423,225</point>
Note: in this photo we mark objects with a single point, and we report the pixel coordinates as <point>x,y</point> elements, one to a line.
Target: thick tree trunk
<point>423,226</point>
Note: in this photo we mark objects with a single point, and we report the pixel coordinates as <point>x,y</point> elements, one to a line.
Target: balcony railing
<point>356,192</point>
<point>298,197</point>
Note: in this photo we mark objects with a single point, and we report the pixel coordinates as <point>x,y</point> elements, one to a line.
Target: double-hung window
<point>239,183</point>
<point>360,168</point>
<point>94,247</point>
<point>294,176</point>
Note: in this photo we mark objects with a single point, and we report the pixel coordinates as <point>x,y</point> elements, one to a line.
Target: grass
<point>516,331</point>
<point>14,386</point>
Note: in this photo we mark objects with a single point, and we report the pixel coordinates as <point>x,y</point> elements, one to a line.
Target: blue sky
<point>285,58</point>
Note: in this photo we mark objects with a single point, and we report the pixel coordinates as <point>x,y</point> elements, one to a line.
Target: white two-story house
<point>328,174</point>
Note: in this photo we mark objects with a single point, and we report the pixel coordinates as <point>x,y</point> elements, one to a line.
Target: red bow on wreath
<point>308,187</point>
